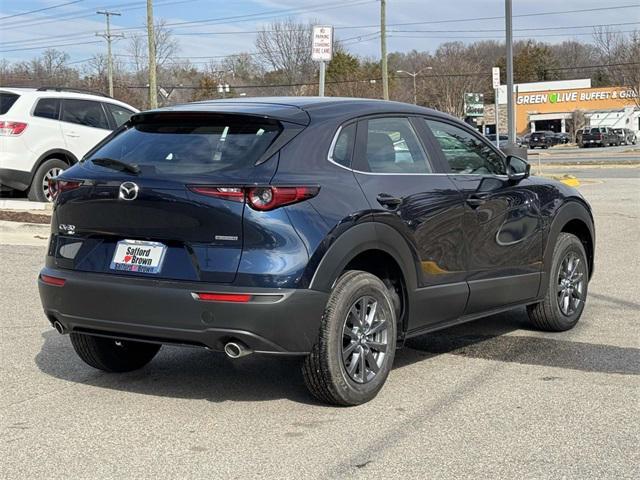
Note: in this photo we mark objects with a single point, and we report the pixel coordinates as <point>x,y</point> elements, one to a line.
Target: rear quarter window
<point>47,108</point>
<point>7,100</point>
<point>185,147</point>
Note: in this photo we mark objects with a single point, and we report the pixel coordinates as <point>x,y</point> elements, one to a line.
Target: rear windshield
<point>192,146</point>
<point>597,130</point>
<point>6,101</point>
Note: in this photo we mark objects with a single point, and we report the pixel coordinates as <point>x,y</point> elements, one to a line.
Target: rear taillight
<point>11,129</point>
<point>268,198</point>
<point>259,198</point>
<point>228,193</point>
<point>56,187</point>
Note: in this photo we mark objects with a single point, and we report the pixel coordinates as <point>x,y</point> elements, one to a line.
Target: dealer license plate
<point>138,256</point>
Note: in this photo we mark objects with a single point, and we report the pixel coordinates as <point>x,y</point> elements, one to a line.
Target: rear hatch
<point>538,137</point>
<point>593,134</point>
<point>160,198</point>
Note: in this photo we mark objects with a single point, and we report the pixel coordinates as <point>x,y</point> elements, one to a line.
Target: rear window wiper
<point>115,164</point>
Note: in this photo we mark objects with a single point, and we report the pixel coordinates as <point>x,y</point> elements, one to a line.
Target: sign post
<point>322,50</point>
<point>495,75</point>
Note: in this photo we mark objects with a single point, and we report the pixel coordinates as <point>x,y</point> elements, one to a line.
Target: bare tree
<point>285,49</point>
<point>620,54</point>
<point>455,72</point>
<point>166,47</point>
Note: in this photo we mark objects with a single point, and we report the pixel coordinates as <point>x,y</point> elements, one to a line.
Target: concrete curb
<point>25,205</point>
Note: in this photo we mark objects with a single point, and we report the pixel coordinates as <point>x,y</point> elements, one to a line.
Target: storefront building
<point>564,106</point>
<point>565,110</point>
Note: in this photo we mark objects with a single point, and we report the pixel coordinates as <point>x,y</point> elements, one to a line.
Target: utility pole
<point>153,86</point>
<point>383,49</point>
<point>508,15</point>
<point>108,36</point>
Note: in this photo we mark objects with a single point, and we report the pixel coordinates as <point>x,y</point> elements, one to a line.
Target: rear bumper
<point>273,321</point>
<point>16,179</point>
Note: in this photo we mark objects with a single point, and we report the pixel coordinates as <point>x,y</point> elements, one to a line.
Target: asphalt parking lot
<point>490,399</point>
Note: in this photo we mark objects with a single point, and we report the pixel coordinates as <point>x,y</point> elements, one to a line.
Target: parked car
<point>600,137</point>
<point>542,139</point>
<point>329,228</point>
<point>46,130</point>
<point>562,138</point>
<point>504,140</point>
<point>625,136</point>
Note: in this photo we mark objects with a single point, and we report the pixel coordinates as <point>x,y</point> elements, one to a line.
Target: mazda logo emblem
<point>128,191</point>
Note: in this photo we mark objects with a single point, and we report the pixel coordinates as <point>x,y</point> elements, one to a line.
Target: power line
<point>127,6</point>
<point>40,9</point>
<point>499,30</point>
<point>481,37</point>
<point>357,2</point>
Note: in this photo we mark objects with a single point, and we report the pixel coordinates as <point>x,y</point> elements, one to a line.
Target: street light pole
<point>414,75</point>
<point>508,14</point>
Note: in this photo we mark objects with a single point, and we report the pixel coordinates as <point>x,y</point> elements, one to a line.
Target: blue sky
<point>75,24</point>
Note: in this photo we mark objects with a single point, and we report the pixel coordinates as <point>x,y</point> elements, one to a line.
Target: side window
<point>47,108</point>
<point>393,147</point>
<point>465,152</point>
<point>343,148</point>
<point>119,114</point>
<point>84,112</point>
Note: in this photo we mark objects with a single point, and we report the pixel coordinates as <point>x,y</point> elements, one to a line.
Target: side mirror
<point>517,168</point>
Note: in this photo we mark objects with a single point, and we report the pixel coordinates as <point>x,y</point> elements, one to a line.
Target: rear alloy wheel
<point>567,291</point>
<point>113,355</point>
<point>39,191</point>
<point>356,345</point>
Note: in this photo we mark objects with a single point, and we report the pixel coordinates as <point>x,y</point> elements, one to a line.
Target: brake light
<point>268,198</point>
<point>11,129</point>
<point>55,281</point>
<point>56,187</point>
<point>228,193</point>
<point>259,198</point>
<point>223,297</point>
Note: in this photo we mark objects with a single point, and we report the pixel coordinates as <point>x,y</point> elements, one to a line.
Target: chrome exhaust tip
<point>236,350</point>
<point>59,327</point>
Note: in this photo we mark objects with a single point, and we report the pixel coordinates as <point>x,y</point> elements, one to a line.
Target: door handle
<point>476,199</point>
<point>72,134</point>
<point>389,201</point>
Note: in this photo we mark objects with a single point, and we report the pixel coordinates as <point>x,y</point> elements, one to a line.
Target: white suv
<point>46,130</point>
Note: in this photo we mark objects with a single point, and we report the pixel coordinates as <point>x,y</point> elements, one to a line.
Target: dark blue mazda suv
<point>328,228</point>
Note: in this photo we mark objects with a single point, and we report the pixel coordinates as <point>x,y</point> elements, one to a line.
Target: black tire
<point>547,315</point>
<point>113,355</point>
<point>38,191</point>
<point>324,370</point>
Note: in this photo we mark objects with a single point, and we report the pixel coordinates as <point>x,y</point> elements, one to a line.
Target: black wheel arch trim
<point>572,209</point>
<point>358,239</point>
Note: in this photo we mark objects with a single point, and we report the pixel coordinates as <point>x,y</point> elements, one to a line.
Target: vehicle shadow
<point>490,339</point>
<point>198,374</point>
